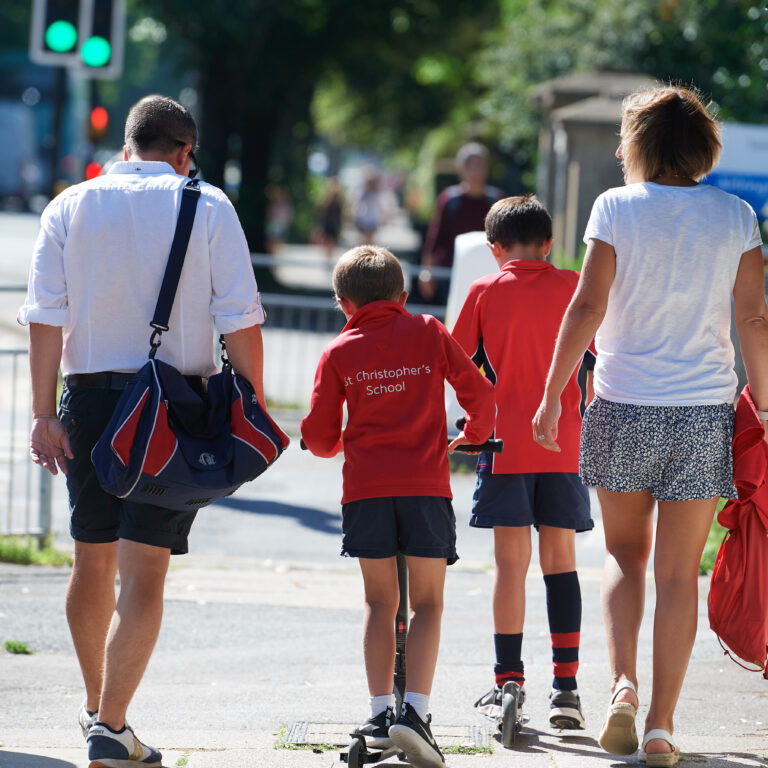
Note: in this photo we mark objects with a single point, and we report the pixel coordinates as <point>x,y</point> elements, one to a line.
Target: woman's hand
<point>545,425</point>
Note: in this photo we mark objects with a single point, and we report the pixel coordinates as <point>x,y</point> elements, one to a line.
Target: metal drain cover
<point>305,733</point>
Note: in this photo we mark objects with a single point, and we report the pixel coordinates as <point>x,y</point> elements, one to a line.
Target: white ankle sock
<point>380,703</point>
<point>420,702</point>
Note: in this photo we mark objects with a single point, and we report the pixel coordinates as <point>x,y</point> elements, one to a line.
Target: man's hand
<point>49,444</point>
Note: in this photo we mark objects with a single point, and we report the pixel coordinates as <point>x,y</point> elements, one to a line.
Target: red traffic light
<point>99,119</point>
<point>92,170</point>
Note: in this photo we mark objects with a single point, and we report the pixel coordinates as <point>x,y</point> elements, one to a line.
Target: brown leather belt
<point>113,380</point>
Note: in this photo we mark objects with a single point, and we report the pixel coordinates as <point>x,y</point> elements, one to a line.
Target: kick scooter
<point>358,753</point>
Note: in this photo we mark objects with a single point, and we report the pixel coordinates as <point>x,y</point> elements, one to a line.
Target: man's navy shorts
<point>556,499</point>
<point>96,517</point>
<point>420,526</point>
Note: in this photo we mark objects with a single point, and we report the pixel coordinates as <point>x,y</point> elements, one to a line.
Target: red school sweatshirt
<point>390,368</point>
<point>509,324</point>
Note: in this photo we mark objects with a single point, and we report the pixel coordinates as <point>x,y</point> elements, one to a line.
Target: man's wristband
<point>45,418</point>
<point>762,415</point>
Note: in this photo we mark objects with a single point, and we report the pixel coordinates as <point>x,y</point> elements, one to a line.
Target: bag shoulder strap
<point>189,197</point>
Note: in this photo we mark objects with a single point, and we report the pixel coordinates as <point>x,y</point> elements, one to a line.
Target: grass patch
<point>182,761</point>
<point>464,749</point>
<point>24,550</point>
<point>281,743</point>
<point>15,646</point>
<point>714,540</point>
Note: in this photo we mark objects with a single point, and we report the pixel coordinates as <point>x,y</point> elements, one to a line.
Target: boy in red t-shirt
<point>390,368</point>
<point>508,325</point>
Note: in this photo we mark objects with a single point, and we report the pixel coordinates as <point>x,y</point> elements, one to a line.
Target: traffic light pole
<point>59,99</point>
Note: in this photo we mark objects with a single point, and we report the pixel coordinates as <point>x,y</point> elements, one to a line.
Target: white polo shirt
<point>99,262</point>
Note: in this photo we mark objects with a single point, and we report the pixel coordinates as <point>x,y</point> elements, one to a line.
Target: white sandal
<point>659,758</point>
<point>618,735</point>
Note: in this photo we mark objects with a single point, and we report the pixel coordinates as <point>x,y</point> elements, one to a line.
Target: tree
<point>720,47</point>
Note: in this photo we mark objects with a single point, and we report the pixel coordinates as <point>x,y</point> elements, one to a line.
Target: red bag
<point>738,591</point>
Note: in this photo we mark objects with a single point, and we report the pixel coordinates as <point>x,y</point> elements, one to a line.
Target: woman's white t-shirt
<point>665,338</point>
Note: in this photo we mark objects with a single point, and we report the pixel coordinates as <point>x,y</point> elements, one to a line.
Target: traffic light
<point>101,50</point>
<point>87,35</point>
<point>56,28</point>
<point>97,124</point>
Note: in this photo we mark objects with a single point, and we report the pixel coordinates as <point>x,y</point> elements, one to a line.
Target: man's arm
<point>245,349</point>
<point>48,440</point>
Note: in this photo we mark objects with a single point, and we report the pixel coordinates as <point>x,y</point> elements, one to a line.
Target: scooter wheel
<point>509,697</point>
<point>356,754</point>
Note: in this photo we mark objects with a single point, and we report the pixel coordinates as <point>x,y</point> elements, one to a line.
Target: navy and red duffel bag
<point>169,445</point>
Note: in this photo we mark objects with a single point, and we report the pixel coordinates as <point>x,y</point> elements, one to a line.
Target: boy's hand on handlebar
<point>461,439</point>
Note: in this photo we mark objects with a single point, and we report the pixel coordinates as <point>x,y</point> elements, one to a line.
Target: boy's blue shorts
<point>557,499</point>
<point>420,526</point>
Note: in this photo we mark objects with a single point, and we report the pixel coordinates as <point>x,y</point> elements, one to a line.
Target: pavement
<point>262,630</point>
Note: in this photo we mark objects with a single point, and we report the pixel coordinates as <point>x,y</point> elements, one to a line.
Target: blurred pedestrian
<point>329,218</point>
<point>96,272</point>
<point>370,206</point>
<point>665,254</point>
<point>459,208</point>
<point>279,216</point>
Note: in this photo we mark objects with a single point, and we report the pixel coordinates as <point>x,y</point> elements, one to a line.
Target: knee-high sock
<point>509,665</point>
<point>564,613</point>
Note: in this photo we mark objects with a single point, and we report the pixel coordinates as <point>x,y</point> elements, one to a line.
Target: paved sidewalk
<point>249,646</point>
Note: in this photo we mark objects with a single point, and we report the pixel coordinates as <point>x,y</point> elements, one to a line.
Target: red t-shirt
<point>508,325</point>
<point>390,368</point>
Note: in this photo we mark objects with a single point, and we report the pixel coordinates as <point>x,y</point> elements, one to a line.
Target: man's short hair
<point>468,151</point>
<point>368,273</point>
<point>159,123</point>
<point>668,131</point>
<point>521,219</point>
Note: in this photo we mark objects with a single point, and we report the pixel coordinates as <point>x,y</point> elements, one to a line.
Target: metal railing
<point>25,495</point>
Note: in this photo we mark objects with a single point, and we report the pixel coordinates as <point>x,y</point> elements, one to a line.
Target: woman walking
<point>665,254</point>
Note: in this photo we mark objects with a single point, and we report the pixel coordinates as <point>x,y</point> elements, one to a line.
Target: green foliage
<point>463,749</point>
<point>25,550</point>
<point>17,647</point>
<point>721,47</point>
<point>714,540</point>
<point>182,761</point>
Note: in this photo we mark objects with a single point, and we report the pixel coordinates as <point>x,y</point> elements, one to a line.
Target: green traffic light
<point>61,36</point>
<point>96,51</point>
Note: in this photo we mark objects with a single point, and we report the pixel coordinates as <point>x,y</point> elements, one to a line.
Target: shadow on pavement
<point>316,519</point>
<point>17,760</point>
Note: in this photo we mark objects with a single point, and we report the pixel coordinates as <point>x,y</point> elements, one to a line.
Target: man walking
<point>98,264</point>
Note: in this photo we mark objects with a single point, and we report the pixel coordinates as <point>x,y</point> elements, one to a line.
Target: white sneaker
<point>86,719</point>
<point>119,749</point>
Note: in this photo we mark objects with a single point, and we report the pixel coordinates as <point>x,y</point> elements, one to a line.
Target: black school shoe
<point>414,737</point>
<point>376,729</point>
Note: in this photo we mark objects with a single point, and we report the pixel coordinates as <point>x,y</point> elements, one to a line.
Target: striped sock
<point>509,665</point>
<point>564,613</point>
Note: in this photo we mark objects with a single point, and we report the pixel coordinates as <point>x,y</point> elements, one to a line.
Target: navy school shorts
<point>420,526</point>
<point>96,517</point>
<point>557,499</point>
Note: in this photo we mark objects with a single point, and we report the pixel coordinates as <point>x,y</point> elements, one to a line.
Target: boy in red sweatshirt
<point>390,368</point>
<point>508,325</point>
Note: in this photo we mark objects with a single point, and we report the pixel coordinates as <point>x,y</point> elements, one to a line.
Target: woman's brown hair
<point>667,131</point>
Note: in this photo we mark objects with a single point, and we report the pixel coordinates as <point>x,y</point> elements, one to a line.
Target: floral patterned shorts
<point>678,453</point>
